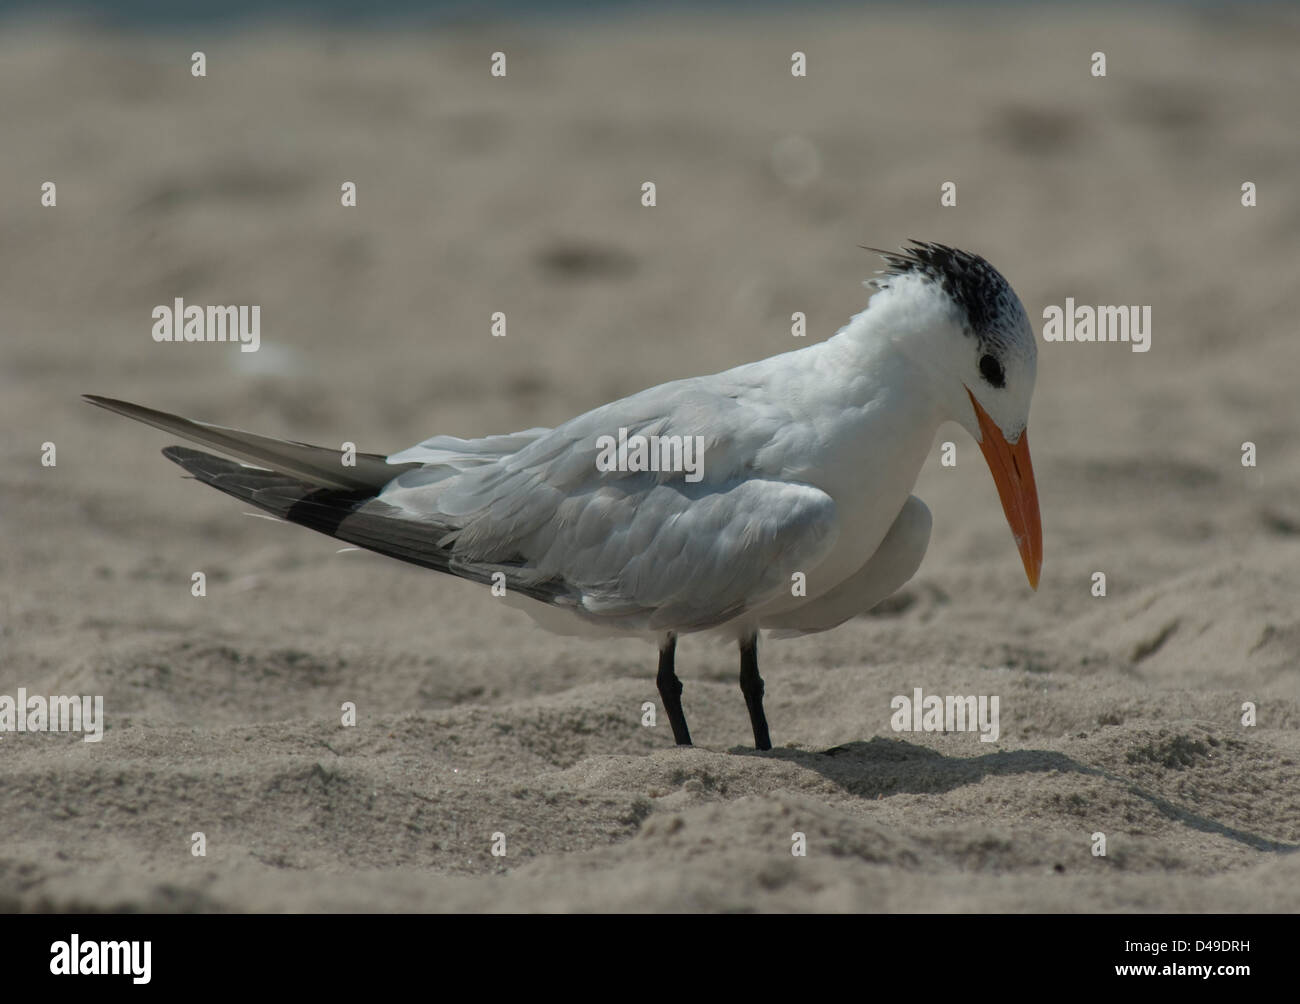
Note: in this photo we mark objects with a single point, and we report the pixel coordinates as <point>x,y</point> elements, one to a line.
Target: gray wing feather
<point>648,549</point>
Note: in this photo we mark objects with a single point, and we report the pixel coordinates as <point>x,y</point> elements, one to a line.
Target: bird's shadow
<point>882,767</point>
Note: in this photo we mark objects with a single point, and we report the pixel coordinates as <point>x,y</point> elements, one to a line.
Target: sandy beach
<point>1121,715</point>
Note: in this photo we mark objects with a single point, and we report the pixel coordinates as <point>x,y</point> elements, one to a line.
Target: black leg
<point>751,685</point>
<point>670,690</point>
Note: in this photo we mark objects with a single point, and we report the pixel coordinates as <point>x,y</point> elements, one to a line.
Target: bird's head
<point>967,328</point>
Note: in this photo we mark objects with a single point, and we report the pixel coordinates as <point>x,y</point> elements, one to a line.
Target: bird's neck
<point>874,365</point>
<point>882,406</point>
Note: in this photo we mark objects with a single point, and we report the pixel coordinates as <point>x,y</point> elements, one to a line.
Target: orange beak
<point>1013,473</point>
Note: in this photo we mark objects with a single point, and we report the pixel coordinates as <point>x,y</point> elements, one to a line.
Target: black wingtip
<point>187,459</point>
<point>179,454</point>
<point>195,461</point>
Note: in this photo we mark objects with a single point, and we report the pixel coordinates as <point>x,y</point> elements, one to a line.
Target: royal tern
<point>797,516</point>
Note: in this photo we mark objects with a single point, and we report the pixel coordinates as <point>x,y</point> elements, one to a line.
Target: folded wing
<point>643,550</point>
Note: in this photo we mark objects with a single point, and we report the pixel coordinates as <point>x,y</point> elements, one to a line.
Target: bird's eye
<point>991,370</point>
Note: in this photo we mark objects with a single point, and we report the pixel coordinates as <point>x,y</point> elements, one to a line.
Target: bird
<point>784,503</point>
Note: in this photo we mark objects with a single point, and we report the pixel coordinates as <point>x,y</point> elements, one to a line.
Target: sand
<point>1120,715</point>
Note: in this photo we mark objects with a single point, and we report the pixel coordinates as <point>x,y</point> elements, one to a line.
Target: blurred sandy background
<point>1119,714</point>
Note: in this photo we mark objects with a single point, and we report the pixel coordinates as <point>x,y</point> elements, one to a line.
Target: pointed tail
<point>315,465</point>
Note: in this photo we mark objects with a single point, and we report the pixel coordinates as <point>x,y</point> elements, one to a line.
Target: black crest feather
<point>979,290</point>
